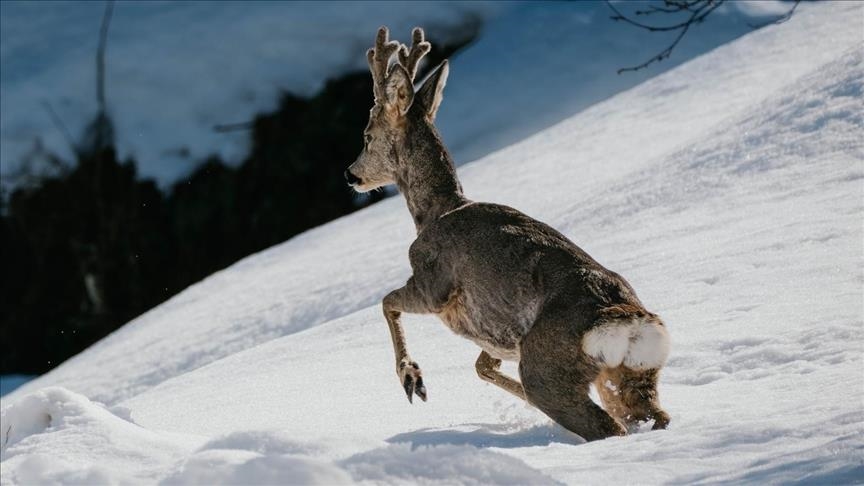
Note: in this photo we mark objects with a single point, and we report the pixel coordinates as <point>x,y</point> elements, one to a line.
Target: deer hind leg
<point>556,376</point>
<point>630,350</point>
<point>631,395</point>
<point>488,368</point>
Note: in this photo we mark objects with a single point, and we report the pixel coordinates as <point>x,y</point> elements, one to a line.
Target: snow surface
<point>730,193</point>
<point>159,52</point>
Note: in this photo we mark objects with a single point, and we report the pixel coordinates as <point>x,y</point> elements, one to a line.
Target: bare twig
<point>233,127</point>
<point>100,54</point>
<point>99,133</point>
<point>652,9</point>
<point>697,11</point>
<point>60,126</point>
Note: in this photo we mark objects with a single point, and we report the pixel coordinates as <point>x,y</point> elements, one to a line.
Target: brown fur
<point>631,395</point>
<point>518,288</point>
<point>557,379</point>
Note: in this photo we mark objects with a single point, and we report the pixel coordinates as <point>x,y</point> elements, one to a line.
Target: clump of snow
<point>400,464</point>
<point>78,430</point>
<point>238,460</point>
<point>729,192</point>
<point>240,467</point>
<point>47,469</point>
<point>27,417</point>
<point>267,442</point>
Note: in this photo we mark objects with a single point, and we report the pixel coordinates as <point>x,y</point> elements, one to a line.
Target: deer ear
<point>399,90</point>
<point>432,91</point>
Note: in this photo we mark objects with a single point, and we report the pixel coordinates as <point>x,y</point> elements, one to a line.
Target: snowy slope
<point>305,282</point>
<point>728,191</point>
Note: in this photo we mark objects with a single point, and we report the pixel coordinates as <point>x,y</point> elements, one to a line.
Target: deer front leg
<point>488,370</point>
<point>405,299</point>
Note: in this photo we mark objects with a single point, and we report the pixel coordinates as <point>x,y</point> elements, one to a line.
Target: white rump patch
<point>639,344</point>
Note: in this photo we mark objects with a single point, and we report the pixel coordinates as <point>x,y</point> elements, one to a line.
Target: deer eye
<point>367,139</point>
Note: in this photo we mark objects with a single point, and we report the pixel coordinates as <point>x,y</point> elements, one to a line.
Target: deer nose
<point>351,178</point>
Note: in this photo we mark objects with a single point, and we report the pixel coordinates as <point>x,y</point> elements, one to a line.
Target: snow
<point>159,52</point>
<point>518,79</point>
<point>79,427</point>
<point>729,192</point>
<point>84,429</point>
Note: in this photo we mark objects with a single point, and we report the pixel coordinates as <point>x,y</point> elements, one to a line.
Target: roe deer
<point>516,287</point>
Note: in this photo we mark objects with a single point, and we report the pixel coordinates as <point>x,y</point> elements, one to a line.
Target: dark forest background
<point>90,245</point>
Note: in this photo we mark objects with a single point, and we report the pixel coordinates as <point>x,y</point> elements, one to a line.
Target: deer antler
<point>419,48</point>
<point>379,61</point>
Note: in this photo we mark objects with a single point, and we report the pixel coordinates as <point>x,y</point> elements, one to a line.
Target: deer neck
<point>428,180</point>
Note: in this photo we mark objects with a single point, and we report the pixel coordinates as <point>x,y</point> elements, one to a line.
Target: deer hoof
<point>412,380</point>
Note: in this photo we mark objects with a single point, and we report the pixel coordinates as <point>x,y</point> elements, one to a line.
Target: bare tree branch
<point>652,9</point>
<point>99,133</point>
<point>697,11</point>
<point>233,127</point>
<point>60,126</point>
<point>670,6</point>
<point>100,54</point>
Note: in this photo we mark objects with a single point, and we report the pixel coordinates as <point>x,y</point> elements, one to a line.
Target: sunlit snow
<point>730,193</point>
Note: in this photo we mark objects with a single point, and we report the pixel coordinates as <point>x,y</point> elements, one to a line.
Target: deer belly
<point>498,337</point>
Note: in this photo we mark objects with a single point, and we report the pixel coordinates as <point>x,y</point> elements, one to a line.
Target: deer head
<point>398,111</point>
